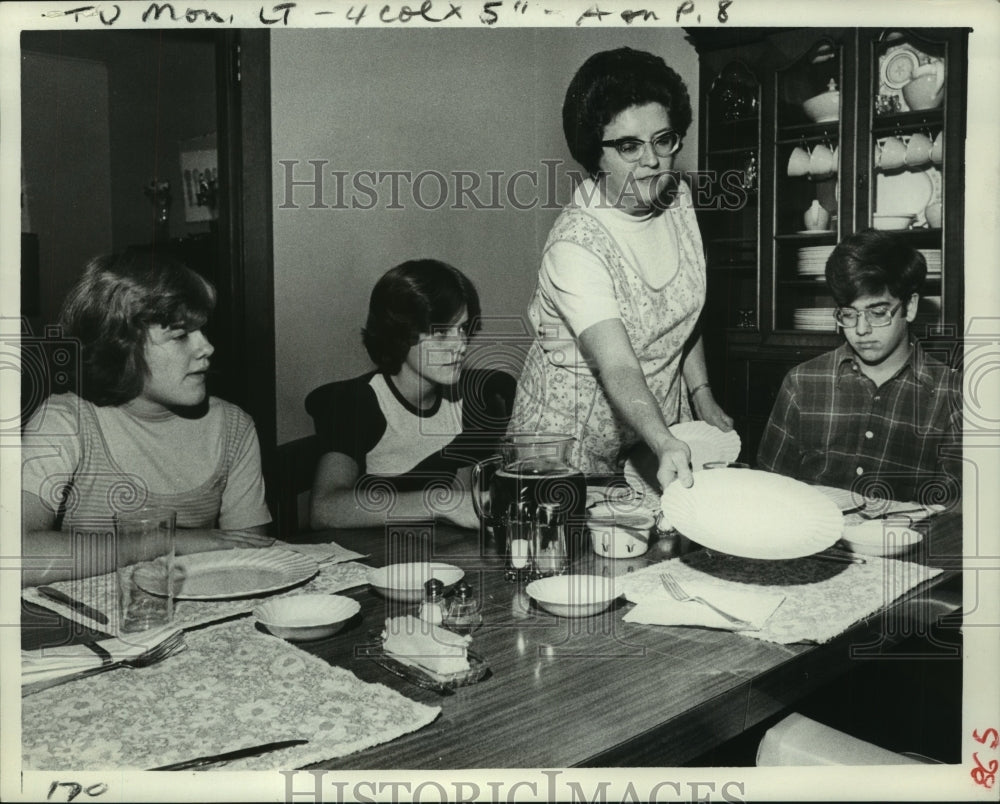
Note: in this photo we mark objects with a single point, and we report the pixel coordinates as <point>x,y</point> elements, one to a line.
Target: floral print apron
<point>554,397</point>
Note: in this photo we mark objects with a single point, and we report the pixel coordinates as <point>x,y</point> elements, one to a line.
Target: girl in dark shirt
<point>401,440</point>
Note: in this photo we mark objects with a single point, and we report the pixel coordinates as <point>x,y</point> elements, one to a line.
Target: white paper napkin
<point>48,666</point>
<point>660,608</point>
<point>323,553</point>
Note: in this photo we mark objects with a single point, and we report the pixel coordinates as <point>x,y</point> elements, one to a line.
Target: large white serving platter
<point>753,514</point>
<point>223,574</point>
<point>845,499</point>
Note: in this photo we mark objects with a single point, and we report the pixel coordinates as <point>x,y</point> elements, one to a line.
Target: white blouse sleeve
<point>578,286</point>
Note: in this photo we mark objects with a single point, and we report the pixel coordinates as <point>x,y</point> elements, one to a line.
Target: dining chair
<point>799,740</point>
<point>296,466</point>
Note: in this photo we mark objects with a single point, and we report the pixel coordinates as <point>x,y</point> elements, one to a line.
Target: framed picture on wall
<point>200,172</point>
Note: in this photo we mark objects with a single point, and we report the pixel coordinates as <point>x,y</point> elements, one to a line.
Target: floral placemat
<point>233,687</point>
<point>822,598</point>
<point>101,592</point>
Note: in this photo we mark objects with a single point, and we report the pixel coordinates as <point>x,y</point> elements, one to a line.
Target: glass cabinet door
<point>807,167</point>
<point>906,143</point>
<point>731,169</point>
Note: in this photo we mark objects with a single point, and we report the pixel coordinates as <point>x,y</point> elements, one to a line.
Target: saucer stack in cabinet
<point>815,319</point>
<point>812,260</point>
<point>933,258</point>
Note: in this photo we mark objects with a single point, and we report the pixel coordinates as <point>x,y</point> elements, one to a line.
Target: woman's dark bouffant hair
<point>868,262</point>
<point>113,305</point>
<point>607,84</point>
<point>411,299</point>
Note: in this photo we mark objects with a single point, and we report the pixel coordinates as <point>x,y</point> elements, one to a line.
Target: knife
<point>838,557</point>
<point>239,753</point>
<point>929,511</point>
<point>81,608</point>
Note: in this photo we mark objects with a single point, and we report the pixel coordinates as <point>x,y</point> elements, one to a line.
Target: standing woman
<point>143,430</point>
<point>622,280</point>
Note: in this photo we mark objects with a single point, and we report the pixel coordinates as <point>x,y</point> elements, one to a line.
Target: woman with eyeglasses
<point>401,440</point>
<point>617,353</point>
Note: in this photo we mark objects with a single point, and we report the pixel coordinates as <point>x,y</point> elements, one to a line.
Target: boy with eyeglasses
<point>875,414</point>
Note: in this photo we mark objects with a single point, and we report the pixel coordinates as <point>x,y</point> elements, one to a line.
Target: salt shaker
<point>463,615</point>
<point>432,610</point>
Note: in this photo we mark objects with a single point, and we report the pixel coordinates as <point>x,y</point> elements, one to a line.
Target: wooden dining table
<point>594,691</point>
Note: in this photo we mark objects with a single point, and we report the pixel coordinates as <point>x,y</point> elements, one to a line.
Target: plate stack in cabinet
<point>836,108</point>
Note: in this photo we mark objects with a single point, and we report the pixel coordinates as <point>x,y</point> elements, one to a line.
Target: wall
<point>420,100</point>
<point>66,190</point>
<point>103,113</point>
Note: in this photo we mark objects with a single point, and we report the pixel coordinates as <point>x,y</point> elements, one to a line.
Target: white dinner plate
<point>845,499</point>
<point>906,193</point>
<point>706,442</point>
<point>232,573</point>
<point>753,514</point>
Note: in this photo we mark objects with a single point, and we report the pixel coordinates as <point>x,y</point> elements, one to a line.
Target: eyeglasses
<point>878,316</point>
<point>631,148</point>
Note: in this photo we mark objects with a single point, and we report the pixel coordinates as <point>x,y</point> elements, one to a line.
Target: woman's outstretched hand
<point>708,410</point>
<point>675,464</point>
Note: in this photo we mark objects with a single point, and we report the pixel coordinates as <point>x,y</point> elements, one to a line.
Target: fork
<point>677,593</point>
<point>157,653</point>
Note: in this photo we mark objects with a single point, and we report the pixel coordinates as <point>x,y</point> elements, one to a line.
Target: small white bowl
<point>405,582</point>
<point>823,108</point>
<point>305,617</point>
<point>892,221</point>
<point>880,537</point>
<point>573,595</point>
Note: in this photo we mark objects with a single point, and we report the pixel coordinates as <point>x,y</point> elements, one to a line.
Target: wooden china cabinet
<point>859,128</point>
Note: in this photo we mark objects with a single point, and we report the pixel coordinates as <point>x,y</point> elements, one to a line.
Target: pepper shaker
<point>463,615</point>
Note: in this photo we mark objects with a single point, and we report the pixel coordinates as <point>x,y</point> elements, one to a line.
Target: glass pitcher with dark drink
<point>531,484</point>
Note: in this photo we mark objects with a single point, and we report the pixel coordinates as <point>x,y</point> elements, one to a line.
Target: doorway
<point>155,140</point>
